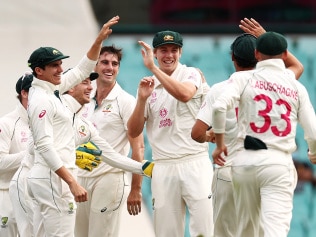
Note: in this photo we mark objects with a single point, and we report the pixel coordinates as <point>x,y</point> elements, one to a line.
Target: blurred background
<point>208,28</point>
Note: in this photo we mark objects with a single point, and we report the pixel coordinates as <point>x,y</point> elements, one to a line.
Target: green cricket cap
<point>24,83</point>
<point>271,43</point>
<point>244,46</point>
<point>44,55</point>
<point>167,37</point>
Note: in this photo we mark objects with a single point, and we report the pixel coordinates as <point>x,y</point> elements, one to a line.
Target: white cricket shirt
<point>231,128</point>
<point>110,119</point>
<point>169,121</point>
<point>14,134</point>
<point>271,102</point>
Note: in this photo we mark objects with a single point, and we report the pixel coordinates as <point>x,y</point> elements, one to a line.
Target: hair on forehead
<point>112,50</point>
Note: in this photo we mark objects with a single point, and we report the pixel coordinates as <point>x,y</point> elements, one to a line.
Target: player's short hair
<point>113,50</point>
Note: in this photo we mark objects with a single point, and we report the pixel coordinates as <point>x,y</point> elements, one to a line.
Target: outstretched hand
<point>251,26</point>
<point>148,55</point>
<point>106,30</point>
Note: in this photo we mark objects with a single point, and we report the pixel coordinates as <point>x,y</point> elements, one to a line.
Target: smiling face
<point>52,72</point>
<point>82,91</point>
<point>168,56</point>
<point>108,68</point>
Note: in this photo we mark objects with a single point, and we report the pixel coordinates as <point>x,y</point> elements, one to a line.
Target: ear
<point>257,55</point>
<point>24,94</point>
<point>71,91</point>
<point>38,70</point>
<point>24,98</point>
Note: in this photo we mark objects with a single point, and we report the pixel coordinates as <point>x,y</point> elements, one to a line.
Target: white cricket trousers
<point>55,201</point>
<point>8,227</point>
<point>180,183</point>
<point>266,192</point>
<point>225,215</point>
<point>223,203</point>
<point>22,202</point>
<point>101,214</point>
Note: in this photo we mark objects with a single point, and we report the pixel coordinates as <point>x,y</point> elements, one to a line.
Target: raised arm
<point>251,26</point>
<point>182,91</point>
<point>137,120</point>
<point>94,51</point>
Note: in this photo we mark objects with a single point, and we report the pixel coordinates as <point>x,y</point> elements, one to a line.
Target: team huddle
<point>65,149</point>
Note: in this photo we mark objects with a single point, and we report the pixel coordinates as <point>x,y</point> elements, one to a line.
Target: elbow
<point>132,131</point>
<point>198,131</point>
<point>197,137</point>
<point>184,98</point>
<point>300,71</point>
<point>133,134</point>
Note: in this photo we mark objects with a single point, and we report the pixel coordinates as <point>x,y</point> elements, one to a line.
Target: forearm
<point>136,121</point>
<point>125,163</point>
<point>138,148</point>
<point>219,140</point>
<point>136,184</point>
<point>51,158</point>
<point>182,91</point>
<point>11,161</point>
<point>79,73</point>
<point>65,175</point>
<point>292,63</point>
<point>94,51</point>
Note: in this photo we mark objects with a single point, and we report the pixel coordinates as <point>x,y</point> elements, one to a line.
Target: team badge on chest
<point>82,131</point>
<point>4,221</point>
<point>107,108</point>
<point>164,122</point>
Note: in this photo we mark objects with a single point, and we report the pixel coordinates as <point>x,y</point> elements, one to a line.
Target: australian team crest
<point>168,38</point>
<point>4,221</point>
<point>82,131</point>
<point>71,208</point>
<point>107,108</point>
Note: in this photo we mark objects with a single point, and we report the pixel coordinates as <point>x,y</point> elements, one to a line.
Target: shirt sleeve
<point>205,112</point>
<point>8,161</point>
<point>41,122</point>
<point>225,102</point>
<point>76,74</point>
<point>307,118</point>
<point>113,158</point>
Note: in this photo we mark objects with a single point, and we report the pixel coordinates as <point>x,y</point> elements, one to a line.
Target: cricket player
<point>242,50</point>
<point>52,179</point>
<point>167,103</point>
<point>271,102</point>
<point>22,205</point>
<point>242,53</point>
<point>108,187</point>
<point>14,134</point>
<point>85,132</point>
